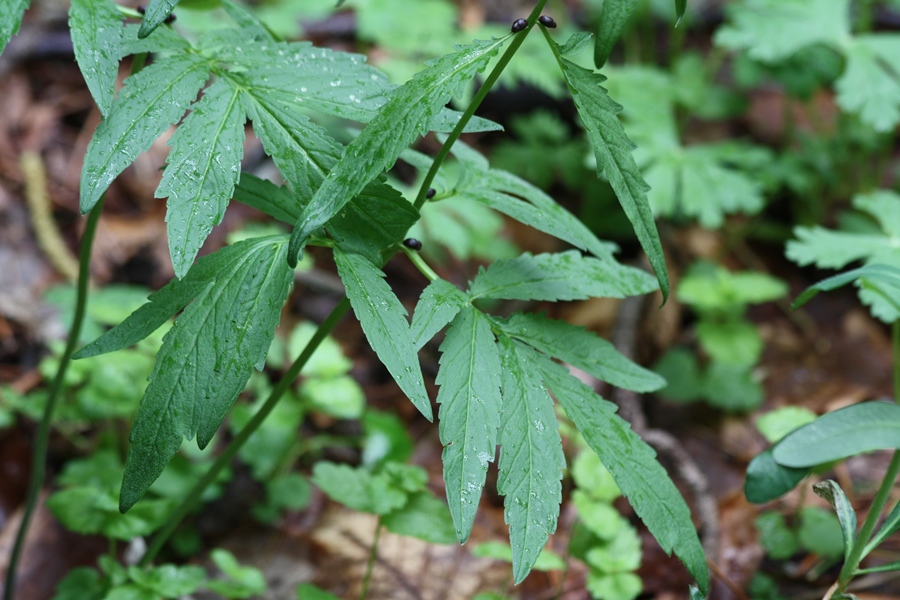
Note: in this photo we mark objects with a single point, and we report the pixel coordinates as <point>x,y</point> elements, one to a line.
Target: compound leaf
<point>383,320</point>
<point>852,430</point>
<point>97,33</point>
<point>773,30</point>
<point>470,412</point>
<point>633,465</point>
<point>563,276</point>
<point>202,170</point>
<point>10,19</point>
<point>885,274</point>
<point>613,19</point>
<point>581,349</point>
<point>263,195</point>
<point>207,358</point>
<point>531,457</point>
<point>156,13</point>
<point>613,151</point>
<point>162,40</point>
<point>151,100</point>
<point>437,306</point>
<point>406,115</point>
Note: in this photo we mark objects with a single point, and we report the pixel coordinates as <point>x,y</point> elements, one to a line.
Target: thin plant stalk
<point>194,494</point>
<point>370,565</point>
<point>39,459</point>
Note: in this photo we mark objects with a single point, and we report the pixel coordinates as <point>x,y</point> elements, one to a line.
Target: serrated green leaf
<point>383,320</point>
<point>884,274</point>
<point>615,16</point>
<point>92,511</point>
<point>10,19</point>
<point>633,464</point>
<point>156,13</point>
<point>406,115</point>
<point>773,30</point>
<point>531,457</point>
<point>470,401</point>
<point>344,484</point>
<point>834,436</point>
<point>203,168</point>
<point>96,27</point>
<point>162,305</point>
<point>151,100</point>
<point>870,85</point>
<point>613,152</point>
<point>832,249</point>
<point>207,358</point>
<point>163,39</point>
<point>767,480</point>
<point>437,306</point>
<point>263,195</point>
<point>374,220</point>
<point>167,581</point>
<point>582,349</point>
<point>563,276</point>
<point>834,495</point>
<point>515,197</point>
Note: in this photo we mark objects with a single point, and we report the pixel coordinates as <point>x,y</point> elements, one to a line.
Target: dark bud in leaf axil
<point>412,244</point>
<point>141,9</point>
<point>547,22</point>
<point>518,25</point>
<point>430,193</point>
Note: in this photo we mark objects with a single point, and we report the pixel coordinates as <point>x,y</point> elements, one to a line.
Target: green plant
<point>732,343</point>
<point>496,374</point>
<point>849,431</point>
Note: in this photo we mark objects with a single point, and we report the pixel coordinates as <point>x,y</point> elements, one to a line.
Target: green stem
<point>39,459</point>
<point>420,264</point>
<point>370,565</point>
<point>881,496</point>
<point>193,496</point>
<point>492,78</point>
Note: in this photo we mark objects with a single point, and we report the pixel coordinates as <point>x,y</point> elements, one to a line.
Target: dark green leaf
<point>156,13</point>
<point>96,27</point>
<point>613,19</point>
<point>424,517</point>
<point>437,306</point>
<point>531,457</point>
<point>163,304</point>
<point>582,349</point>
<point>162,40</point>
<point>820,532</point>
<point>265,196</point>
<point>241,582</point>
<point>613,151</point>
<point>374,220</point>
<point>207,358</point>
<point>383,320</point>
<point>470,401</point>
<point>834,495</point>
<point>767,480</point>
<point>93,511</point>
<point>633,465</point>
<point>779,541</point>
<point>885,274</point>
<point>407,115</point>
<point>10,19</point>
<point>307,591</point>
<point>151,100</point>
<point>696,594</point>
<point>81,583</point>
<point>564,276</point>
<point>890,526</point>
<point>680,7</point>
<point>852,430</point>
<point>204,166</point>
<point>168,581</point>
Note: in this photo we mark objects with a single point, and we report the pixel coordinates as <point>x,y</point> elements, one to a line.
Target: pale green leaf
<point>96,27</point>
<point>156,13</point>
<point>531,457</point>
<point>151,100</point>
<point>633,464</point>
<point>344,484</point>
<point>887,276</point>
<point>424,517</point>
<point>406,115</point>
<point>832,493</point>
<point>773,30</point>
<point>437,306</point>
<point>470,401</point>
<point>564,276</point>
<point>615,16</point>
<point>834,436</point>
<point>870,85</point>
<point>202,170</point>
<point>207,358</point>
<point>10,19</point>
<point>615,161</point>
<point>830,249</point>
<point>383,320</point>
<point>582,349</point>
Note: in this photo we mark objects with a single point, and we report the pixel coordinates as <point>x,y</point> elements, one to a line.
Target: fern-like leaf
<point>96,27</point>
<point>437,306</point>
